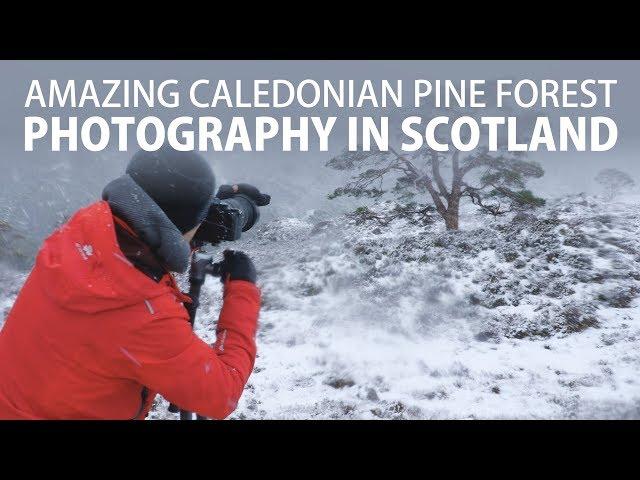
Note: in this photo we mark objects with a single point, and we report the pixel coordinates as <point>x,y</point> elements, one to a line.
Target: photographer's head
<point>163,197</point>
<point>180,183</point>
<point>166,198</point>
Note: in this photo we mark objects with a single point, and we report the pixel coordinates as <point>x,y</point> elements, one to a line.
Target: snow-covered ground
<point>509,318</point>
<point>516,317</point>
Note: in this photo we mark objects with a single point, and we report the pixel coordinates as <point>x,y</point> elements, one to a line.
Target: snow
<point>388,333</point>
<point>516,317</point>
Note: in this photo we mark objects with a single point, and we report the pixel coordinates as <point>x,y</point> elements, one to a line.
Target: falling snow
<point>518,317</point>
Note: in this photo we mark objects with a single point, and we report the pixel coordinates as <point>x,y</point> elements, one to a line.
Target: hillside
<point>518,317</point>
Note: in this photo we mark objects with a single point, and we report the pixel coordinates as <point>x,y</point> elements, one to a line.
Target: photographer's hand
<point>228,191</point>
<point>207,379</point>
<point>237,266</point>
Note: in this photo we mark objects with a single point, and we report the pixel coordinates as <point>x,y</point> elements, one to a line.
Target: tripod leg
<point>197,273</point>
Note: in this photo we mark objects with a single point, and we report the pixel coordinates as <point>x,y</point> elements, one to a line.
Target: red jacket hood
<point>84,269</point>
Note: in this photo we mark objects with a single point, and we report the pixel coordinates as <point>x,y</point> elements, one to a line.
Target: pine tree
<point>494,181</point>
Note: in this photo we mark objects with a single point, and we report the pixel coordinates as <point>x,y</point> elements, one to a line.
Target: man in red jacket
<point>99,328</point>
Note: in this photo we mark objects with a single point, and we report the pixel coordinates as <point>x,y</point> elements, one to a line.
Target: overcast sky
<point>301,177</point>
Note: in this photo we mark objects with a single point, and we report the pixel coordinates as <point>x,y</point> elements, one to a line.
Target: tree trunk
<point>451,221</point>
<point>453,204</point>
<point>452,214</point>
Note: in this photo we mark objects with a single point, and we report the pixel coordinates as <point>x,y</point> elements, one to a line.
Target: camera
<point>233,210</point>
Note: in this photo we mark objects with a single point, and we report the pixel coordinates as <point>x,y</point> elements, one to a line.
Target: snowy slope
<point>512,318</point>
<point>517,317</point>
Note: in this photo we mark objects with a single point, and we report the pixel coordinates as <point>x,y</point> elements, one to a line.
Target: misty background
<point>533,315</point>
<point>39,189</point>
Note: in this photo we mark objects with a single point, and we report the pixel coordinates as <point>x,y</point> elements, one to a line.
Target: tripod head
<point>201,266</point>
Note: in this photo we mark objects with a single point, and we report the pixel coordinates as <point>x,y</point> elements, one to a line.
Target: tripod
<point>201,266</point>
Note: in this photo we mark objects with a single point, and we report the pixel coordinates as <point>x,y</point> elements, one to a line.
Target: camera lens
<point>249,213</point>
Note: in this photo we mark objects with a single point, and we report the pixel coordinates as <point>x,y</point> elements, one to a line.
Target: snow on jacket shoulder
<point>89,331</point>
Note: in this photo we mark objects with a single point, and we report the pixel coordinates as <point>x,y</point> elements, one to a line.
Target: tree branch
<point>435,196</point>
<point>410,166</point>
<point>424,180</point>
<point>435,168</point>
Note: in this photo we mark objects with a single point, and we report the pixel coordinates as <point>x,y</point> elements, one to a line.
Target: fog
<point>519,316</point>
<point>40,189</point>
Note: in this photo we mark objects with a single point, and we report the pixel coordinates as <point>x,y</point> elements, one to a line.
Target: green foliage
<point>355,192</point>
<point>500,188</point>
<point>507,177</point>
<point>416,214</point>
<point>347,160</point>
<point>518,198</point>
<point>527,198</point>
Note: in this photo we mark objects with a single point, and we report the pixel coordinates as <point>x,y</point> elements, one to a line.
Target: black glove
<point>228,191</point>
<point>237,266</point>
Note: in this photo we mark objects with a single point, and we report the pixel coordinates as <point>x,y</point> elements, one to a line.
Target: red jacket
<point>88,331</point>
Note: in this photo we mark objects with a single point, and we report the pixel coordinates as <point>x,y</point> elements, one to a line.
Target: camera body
<point>224,223</point>
<point>233,210</point>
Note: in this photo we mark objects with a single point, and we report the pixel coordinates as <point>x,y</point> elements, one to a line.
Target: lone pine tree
<point>494,181</point>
